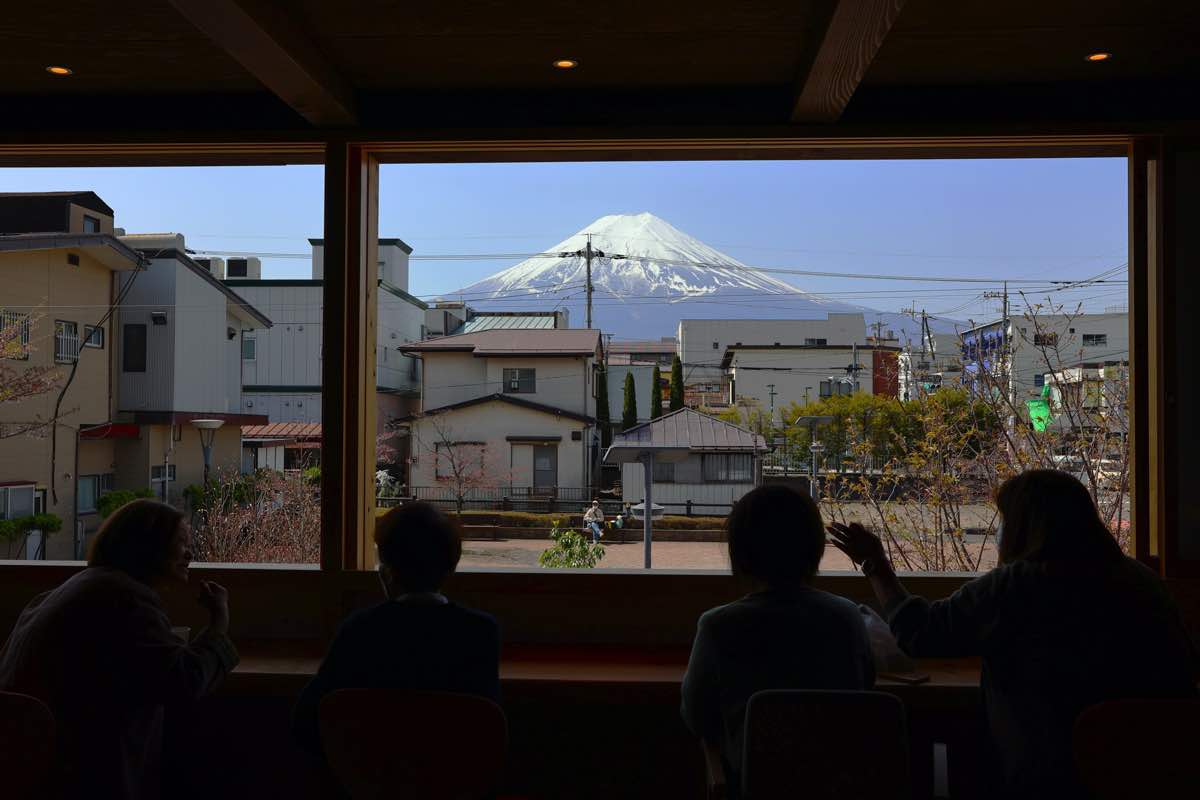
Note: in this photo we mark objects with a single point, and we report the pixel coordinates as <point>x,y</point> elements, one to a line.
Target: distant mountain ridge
<point>665,276</point>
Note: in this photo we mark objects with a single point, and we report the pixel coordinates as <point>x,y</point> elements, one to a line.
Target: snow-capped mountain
<point>665,275</point>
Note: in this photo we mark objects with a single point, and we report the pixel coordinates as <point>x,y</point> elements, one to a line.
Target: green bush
<point>111,501</point>
<point>13,529</point>
<point>313,474</point>
<point>571,550</point>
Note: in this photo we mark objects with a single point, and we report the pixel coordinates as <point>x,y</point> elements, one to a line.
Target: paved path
<point>665,555</point>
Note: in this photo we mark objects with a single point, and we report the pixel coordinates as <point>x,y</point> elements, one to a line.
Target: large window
<point>728,467</point>
<point>14,334</point>
<point>133,351</point>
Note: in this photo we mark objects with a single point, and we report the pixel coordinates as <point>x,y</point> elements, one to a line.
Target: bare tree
<point>463,467</point>
<point>19,380</point>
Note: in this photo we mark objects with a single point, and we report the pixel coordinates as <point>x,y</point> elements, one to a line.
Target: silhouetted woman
<point>417,638</point>
<point>1065,621</point>
<point>783,635</point>
<point>100,652</point>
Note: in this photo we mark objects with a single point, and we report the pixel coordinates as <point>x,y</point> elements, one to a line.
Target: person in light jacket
<point>593,518</point>
<point>1064,622</point>
<point>100,652</point>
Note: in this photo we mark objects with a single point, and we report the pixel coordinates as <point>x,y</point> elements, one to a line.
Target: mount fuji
<point>664,276</point>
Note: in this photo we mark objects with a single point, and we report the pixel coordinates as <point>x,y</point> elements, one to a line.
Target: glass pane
<point>161,402</point>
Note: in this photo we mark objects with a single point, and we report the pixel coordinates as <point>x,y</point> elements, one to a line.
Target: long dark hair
<point>1049,516</point>
<point>136,539</point>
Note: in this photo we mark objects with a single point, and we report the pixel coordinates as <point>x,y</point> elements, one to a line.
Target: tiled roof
<point>688,429</point>
<point>283,430</point>
<point>514,342</point>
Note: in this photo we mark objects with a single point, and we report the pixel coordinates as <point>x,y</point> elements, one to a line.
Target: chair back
<point>398,743</point>
<point>26,746</point>
<point>1139,749</point>
<point>825,744</point>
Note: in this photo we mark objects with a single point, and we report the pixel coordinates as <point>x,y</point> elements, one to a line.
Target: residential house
<point>179,340</point>
<point>281,446</point>
<point>515,408</point>
<point>702,342</point>
<point>773,376</point>
<point>701,464</point>
<point>61,266</point>
<point>281,367</point>
<point>450,317</point>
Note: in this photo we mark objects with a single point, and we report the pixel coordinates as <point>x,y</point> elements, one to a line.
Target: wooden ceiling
<point>392,63</point>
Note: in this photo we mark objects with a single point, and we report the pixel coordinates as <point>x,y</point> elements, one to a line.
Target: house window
<point>93,336</point>
<point>826,388</point>
<point>716,346</point>
<point>1039,380</point>
<point>133,355</point>
<point>1095,340</point>
<point>156,473</point>
<point>1046,339</point>
<point>17,501</point>
<point>520,381</point>
<point>728,467</point>
<point>236,268</point>
<point>14,334</point>
<point>91,224</point>
<point>809,342</point>
<point>664,472</point>
<point>87,492</point>
<point>464,462</point>
<point>66,341</point>
<point>249,348</point>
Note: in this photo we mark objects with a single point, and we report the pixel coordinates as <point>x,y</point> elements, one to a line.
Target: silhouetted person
<point>100,652</point>
<point>784,635</point>
<point>1065,621</point>
<point>417,638</point>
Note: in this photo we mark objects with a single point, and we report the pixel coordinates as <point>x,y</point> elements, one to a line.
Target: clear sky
<point>1037,218</point>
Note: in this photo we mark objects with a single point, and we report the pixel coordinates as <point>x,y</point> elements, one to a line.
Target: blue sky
<point>1036,218</point>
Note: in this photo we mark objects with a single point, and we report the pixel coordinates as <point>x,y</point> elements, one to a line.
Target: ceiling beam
<point>263,39</point>
<point>856,30</point>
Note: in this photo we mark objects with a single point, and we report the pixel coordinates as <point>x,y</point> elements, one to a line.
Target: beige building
<point>506,408</point>
<point>60,264</point>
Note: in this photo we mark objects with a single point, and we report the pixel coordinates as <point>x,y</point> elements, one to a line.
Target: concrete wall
<point>284,406</point>
<point>702,342</point>
<point>152,290</point>
<point>1029,361</point>
<point>492,423</point>
<point>565,383</point>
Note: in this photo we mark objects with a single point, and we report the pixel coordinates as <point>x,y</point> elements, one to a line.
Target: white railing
<point>66,342</point>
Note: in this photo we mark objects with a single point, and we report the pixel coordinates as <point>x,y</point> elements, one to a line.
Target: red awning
<point>112,430</point>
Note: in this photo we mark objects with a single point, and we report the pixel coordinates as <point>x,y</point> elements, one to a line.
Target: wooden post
<point>648,505</point>
<point>348,358</point>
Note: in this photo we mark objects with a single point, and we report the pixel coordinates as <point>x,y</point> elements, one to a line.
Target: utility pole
<point>877,326</point>
<point>772,392</point>
<point>1005,342</point>
<point>587,254</point>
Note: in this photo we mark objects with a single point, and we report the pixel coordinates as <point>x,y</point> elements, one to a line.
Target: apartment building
<point>521,403</point>
<point>1018,353</point>
<point>702,342</point>
<point>281,367</point>
<point>62,269</point>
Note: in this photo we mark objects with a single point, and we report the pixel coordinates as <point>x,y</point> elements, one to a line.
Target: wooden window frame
<point>352,160</point>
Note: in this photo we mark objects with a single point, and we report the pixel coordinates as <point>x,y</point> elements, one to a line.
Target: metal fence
<point>537,500</point>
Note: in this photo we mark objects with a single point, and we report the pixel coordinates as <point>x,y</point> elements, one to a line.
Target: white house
<point>702,342</point>
<point>180,333</point>
<point>513,408</point>
<point>697,459</point>
<point>281,367</point>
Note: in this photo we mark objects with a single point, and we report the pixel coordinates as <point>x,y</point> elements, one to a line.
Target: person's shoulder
<point>474,617</point>
<point>364,619</point>
<point>836,604</point>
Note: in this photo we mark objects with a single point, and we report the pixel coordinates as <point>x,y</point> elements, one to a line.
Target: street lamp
<point>815,449</point>
<point>207,428</point>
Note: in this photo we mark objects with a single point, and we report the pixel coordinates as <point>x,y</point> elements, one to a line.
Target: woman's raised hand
<point>856,542</point>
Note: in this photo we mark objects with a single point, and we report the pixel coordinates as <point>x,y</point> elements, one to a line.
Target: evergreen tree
<point>656,394</point>
<point>676,384</point>
<point>629,415</point>
<point>603,421</point>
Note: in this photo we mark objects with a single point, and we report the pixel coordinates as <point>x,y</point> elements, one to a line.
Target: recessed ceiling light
<point>60,70</point>
<point>1099,56</point>
<point>566,63</point>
